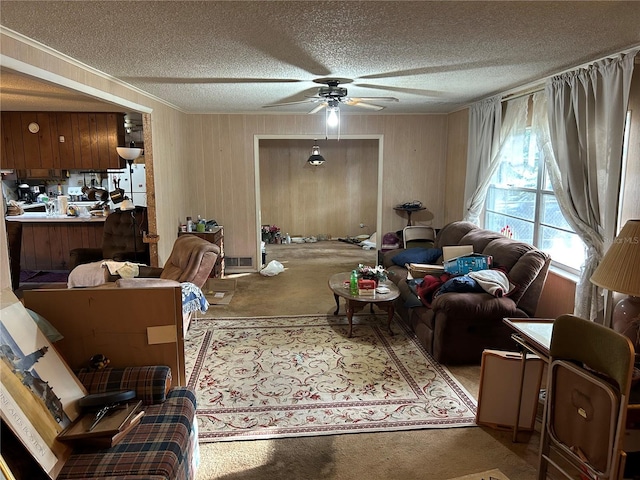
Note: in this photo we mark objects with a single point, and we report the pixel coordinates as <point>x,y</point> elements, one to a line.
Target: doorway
<point>338,199</point>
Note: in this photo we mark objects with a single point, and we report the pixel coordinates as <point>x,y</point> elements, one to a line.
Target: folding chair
<point>588,387</point>
<point>418,236</point>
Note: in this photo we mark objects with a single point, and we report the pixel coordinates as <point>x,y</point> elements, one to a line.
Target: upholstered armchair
<point>122,240</point>
<point>191,260</point>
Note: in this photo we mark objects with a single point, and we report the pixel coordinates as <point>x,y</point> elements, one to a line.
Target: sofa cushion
<point>150,383</point>
<point>412,300</point>
<point>417,255</point>
<point>451,233</point>
<point>479,239</point>
<point>159,447</point>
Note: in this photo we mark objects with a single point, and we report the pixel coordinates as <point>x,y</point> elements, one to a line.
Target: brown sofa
<point>458,327</point>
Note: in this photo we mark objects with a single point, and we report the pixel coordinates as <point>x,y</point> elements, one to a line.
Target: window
<point>521,204</point>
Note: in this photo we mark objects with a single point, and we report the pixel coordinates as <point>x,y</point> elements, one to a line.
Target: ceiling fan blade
<point>318,108</point>
<point>378,99</point>
<point>310,100</point>
<point>414,91</point>
<point>355,102</point>
<point>205,80</point>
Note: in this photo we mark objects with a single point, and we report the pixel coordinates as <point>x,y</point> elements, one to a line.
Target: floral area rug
<point>274,377</point>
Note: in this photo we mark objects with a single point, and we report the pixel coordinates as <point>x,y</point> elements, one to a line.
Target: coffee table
<point>339,285</point>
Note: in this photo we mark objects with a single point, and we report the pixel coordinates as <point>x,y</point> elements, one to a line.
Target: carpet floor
<point>431,453</point>
<point>275,377</point>
<point>488,475</point>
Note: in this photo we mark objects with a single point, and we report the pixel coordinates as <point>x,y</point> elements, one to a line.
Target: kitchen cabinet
<point>215,236</point>
<point>61,140</point>
<point>43,173</point>
<point>28,140</point>
<point>47,241</point>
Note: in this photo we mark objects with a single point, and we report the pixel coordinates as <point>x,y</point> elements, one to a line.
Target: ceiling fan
<point>332,95</point>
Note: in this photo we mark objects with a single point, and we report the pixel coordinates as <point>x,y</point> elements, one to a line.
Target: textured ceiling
<point>237,56</point>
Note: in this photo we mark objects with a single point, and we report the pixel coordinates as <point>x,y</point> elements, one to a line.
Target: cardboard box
<point>219,291</point>
<point>454,251</point>
<point>468,263</point>
<point>419,270</point>
<point>499,387</point>
<point>364,284</point>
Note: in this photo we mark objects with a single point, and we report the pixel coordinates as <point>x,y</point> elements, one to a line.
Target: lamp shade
<point>129,153</point>
<point>619,270</point>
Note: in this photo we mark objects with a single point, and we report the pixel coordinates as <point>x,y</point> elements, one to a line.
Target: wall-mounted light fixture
<point>315,159</point>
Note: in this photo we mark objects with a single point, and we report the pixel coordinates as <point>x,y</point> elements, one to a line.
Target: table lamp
<point>619,271</point>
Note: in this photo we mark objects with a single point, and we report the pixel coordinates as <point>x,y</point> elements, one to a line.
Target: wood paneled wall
<point>457,143</point>
<point>205,164</point>
<point>46,246</point>
<point>558,296</point>
<point>331,199</point>
<point>222,156</point>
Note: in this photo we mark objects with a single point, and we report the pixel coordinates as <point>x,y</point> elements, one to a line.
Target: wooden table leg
<point>388,307</point>
<point>337,304</point>
<point>350,311</point>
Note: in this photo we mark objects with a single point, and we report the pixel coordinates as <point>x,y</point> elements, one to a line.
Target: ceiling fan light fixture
<point>315,159</point>
<point>333,114</point>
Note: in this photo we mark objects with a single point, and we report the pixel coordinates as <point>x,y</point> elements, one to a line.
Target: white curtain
<point>511,133</point>
<point>485,120</point>
<point>586,115</point>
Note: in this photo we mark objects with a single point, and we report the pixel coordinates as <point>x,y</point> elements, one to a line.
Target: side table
<point>355,303</point>
<point>409,211</point>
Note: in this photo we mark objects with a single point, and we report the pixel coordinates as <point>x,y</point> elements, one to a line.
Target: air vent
<point>238,261</point>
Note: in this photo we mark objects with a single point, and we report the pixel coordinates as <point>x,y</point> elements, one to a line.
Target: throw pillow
<point>417,255</point>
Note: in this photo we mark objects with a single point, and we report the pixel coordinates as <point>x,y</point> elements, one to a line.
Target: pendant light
<point>315,159</point>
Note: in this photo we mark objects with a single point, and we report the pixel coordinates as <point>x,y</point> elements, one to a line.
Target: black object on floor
<point>31,276</point>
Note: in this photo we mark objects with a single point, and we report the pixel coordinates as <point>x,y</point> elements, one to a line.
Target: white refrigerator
<point>120,178</point>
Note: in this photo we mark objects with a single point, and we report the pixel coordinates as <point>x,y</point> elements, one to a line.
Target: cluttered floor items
<point>107,418</point>
<point>219,291</point>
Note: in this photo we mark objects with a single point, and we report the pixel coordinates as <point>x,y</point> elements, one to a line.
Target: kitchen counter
<point>42,217</point>
<point>45,241</point>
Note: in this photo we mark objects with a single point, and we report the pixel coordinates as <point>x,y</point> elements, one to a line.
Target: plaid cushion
<point>159,447</point>
<point>150,383</point>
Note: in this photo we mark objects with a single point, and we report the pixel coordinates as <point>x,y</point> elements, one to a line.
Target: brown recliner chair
<point>191,260</point>
<point>118,240</point>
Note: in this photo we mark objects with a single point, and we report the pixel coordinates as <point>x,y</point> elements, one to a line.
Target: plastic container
<point>353,284</point>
